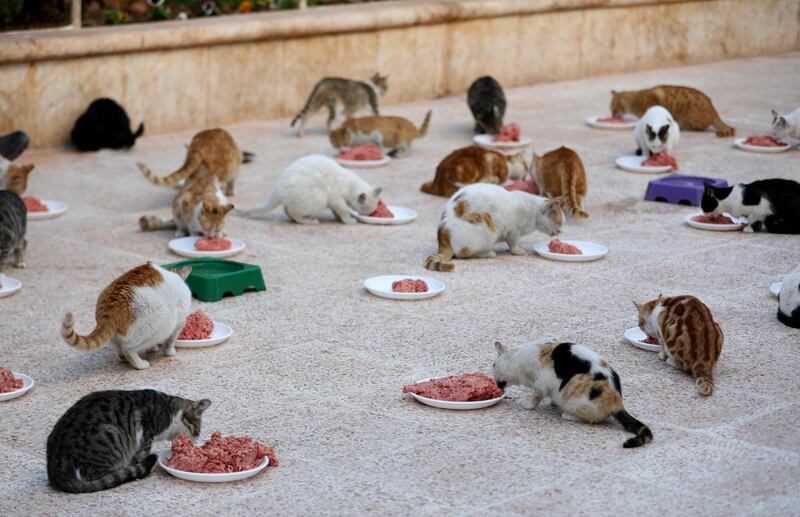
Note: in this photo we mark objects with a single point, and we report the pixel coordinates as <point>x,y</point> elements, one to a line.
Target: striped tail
<point>192,163</point>
<point>149,223</point>
<point>429,187</point>
<point>101,335</point>
<point>722,128</point>
<point>423,129</point>
<point>112,479</point>
<point>643,433</point>
<point>571,195</point>
<point>443,260</point>
<point>303,112</point>
<point>704,378</point>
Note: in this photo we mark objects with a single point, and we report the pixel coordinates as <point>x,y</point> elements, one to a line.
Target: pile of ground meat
<point>650,340</point>
<point>381,211</point>
<point>763,141</point>
<point>409,285</point>
<point>219,455</point>
<point>611,120</point>
<point>469,387</point>
<point>8,382</point>
<point>34,204</point>
<point>525,186</point>
<point>713,219</point>
<point>661,159</point>
<point>198,326</point>
<point>557,246</point>
<point>362,152</point>
<point>212,244</point>
<point>508,133</point>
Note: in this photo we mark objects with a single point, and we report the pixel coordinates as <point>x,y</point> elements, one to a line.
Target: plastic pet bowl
<point>213,278</point>
<point>680,189</point>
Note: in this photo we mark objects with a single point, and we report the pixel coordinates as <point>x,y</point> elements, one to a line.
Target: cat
<point>771,204</point>
<point>313,184</point>
<point>393,133</point>
<point>480,215</point>
<point>13,145</point>
<point>13,225</point>
<point>487,102</point>
<point>198,209</point>
<point>105,439</point>
<point>474,164</point>
<point>786,126</point>
<point>656,131</point>
<point>560,173</point>
<point>104,125</point>
<point>691,108</point>
<point>142,309</point>
<point>212,152</point>
<point>574,378</point>
<point>342,97</point>
<point>789,297</point>
<point>16,178</point>
<point>690,338</point>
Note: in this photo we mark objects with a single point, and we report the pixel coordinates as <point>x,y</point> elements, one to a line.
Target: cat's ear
<point>200,406</point>
<point>377,191</point>
<point>774,115</point>
<point>614,93</point>
<point>227,208</point>
<point>184,272</point>
<point>362,198</point>
<point>207,207</point>
<point>639,306</point>
<point>26,169</point>
<point>500,347</point>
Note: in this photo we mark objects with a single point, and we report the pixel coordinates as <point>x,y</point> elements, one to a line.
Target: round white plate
<point>363,164</point>
<point>488,141</point>
<point>382,286</point>
<point>401,216</point>
<point>220,333</point>
<point>739,142</point>
<point>633,163</point>
<point>592,121</point>
<point>27,384</point>
<point>775,288</point>
<point>184,246</point>
<point>735,227</point>
<point>54,209</point>
<point>590,250</point>
<point>210,478</point>
<point>636,337</point>
<point>446,404</point>
<point>10,285</point>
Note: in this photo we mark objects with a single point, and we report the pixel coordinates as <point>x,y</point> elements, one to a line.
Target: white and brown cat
<point>199,209</point>
<point>474,164</point>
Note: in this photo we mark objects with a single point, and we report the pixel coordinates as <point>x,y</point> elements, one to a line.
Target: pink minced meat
<point>524,185</point>
<point>33,204</point>
<point>508,133</point>
<point>198,326</point>
<point>712,219</point>
<point>564,248</point>
<point>458,388</point>
<point>8,382</point>
<point>650,340</point>
<point>212,244</point>
<point>219,455</point>
<point>763,141</point>
<point>361,153</point>
<point>660,160</point>
<point>382,211</point>
<point>409,285</point>
<point>611,120</point>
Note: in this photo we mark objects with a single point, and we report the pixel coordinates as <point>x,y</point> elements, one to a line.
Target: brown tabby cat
<point>691,108</point>
<point>560,173</point>
<point>474,164</point>
<point>16,178</point>
<point>392,133</point>
<point>690,338</point>
<point>212,152</point>
<point>188,219</point>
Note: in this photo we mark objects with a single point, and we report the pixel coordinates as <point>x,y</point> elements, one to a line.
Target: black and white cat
<point>789,300</point>
<point>656,131</point>
<point>772,204</point>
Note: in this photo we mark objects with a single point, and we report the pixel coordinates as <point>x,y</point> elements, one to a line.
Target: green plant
<point>9,9</point>
<point>115,16</point>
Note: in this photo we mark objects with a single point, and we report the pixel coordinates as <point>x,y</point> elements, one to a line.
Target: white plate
<point>735,227</point>
<point>592,121</point>
<point>636,337</point>
<point>633,163</point>
<point>10,285</point>
<point>220,333</point>
<point>590,250</point>
<point>184,246</point>
<point>54,209</point>
<point>775,288</point>
<point>446,404</point>
<point>488,141</point>
<point>401,216</point>
<point>363,164</point>
<point>382,286</point>
<point>210,478</point>
<point>27,384</point>
<point>739,142</point>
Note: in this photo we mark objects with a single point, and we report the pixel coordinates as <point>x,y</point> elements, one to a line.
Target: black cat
<point>772,204</point>
<point>13,144</point>
<point>487,102</point>
<point>104,125</point>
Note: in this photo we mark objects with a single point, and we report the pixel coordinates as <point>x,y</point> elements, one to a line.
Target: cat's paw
<point>748,229</point>
<point>170,350</point>
<point>671,362</point>
<point>141,364</point>
<point>20,265</point>
<point>662,355</point>
<point>519,250</point>
<point>570,418</point>
<point>526,403</point>
<point>349,220</point>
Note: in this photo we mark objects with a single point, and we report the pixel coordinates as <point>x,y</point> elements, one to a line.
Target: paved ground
<point>316,365</point>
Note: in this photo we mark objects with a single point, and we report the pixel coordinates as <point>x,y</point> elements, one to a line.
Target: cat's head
<point>657,138</point>
<point>490,117</point>
<point>340,137</point>
<point>381,82</point>
<point>712,196</point>
<point>503,366</point>
<point>645,310</point>
<point>191,417</point>
<point>212,218</point>
<point>619,103</point>
<point>16,179</point>
<point>551,216</point>
<point>367,202</point>
<point>780,128</point>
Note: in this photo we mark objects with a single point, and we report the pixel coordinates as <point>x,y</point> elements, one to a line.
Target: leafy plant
<point>9,10</point>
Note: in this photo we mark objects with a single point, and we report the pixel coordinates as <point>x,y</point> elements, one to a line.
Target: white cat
<point>313,184</point>
<point>789,306</point>
<point>479,216</point>
<point>574,378</point>
<point>656,131</point>
<point>786,126</point>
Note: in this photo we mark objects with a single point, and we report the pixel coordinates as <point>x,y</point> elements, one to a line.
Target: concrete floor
<point>316,364</point>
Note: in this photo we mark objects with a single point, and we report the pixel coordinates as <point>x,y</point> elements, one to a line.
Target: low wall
<point>192,74</point>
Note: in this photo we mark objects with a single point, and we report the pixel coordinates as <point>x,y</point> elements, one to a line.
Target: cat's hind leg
<point>331,116</point>
<point>169,344</point>
<point>19,255</point>
<point>230,187</point>
<point>301,218</point>
<point>133,358</point>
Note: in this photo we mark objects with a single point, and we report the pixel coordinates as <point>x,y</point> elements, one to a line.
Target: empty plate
<point>54,209</point>
<point>733,227</point>
<point>739,142</point>
<point>401,216</point>
<point>633,163</point>
<point>590,251</point>
<point>27,384</point>
<point>447,404</point>
<point>220,333</point>
<point>488,141</point>
<point>8,285</point>
<point>775,288</point>
<point>626,123</point>
<point>210,478</point>
<point>636,337</point>
<point>382,286</point>
<point>363,164</point>
<point>184,246</point>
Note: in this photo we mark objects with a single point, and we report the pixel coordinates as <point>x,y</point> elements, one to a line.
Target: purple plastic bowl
<point>680,189</point>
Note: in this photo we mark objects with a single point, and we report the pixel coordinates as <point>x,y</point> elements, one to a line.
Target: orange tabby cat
<point>198,209</point>
<point>560,173</point>
<point>690,338</point>
<point>213,152</point>
<point>16,178</point>
<point>691,108</point>
<point>393,133</point>
<point>473,164</point>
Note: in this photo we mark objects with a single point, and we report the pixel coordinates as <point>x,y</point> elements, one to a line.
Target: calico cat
<point>574,378</point>
<point>786,126</point>
<point>487,102</point>
<point>481,215</point>
<point>198,209</point>
<point>772,204</point>
<point>213,152</point>
<point>474,164</point>
<point>104,439</point>
<point>656,131</point>
<point>393,133</point>
<point>315,183</point>
<point>690,338</point>
<point>789,297</point>
<point>139,311</point>
<point>691,108</point>
<point>560,173</point>
<point>16,178</point>
<point>342,97</point>
<point>13,225</point>
<point>104,125</point>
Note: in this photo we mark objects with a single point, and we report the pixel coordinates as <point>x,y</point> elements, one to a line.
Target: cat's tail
<point>704,378</point>
<point>722,128</point>
<point>643,433</point>
<point>423,129</point>
<point>101,335</point>
<point>248,157</point>
<point>429,187</point>
<point>113,479</point>
<point>572,202</point>
<point>443,260</point>
<point>139,131</point>
<point>272,202</point>
<point>303,112</point>
<point>149,223</point>
<point>192,163</point>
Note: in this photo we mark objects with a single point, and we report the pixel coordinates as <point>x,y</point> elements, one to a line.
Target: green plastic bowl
<point>213,278</point>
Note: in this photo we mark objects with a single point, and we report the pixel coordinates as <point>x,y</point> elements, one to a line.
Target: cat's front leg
<point>229,187</point>
<point>19,256</point>
<point>339,208</point>
<point>513,244</point>
<point>753,226</point>
<point>136,361</point>
<point>530,403</point>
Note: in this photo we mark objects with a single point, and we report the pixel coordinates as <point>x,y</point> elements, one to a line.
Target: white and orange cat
<point>474,164</point>
<point>560,172</point>
<point>198,209</point>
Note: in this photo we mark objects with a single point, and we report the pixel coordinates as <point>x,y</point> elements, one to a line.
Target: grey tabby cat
<point>342,97</point>
<point>104,440</point>
<point>13,224</point>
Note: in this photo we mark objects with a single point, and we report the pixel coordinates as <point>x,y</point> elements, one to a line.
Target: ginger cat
<point>16,178</point>
<point>212,152</point>
<point>560,173</point>
<point>392,133</point>
<point>691,108</point>
<point>198,209</point>
<point>474,164</point>
<point>690,338</point>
